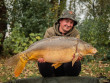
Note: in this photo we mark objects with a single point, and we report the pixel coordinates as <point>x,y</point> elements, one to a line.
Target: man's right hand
<point>41,60</point>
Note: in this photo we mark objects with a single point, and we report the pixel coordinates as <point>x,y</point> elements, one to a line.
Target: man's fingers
<point>41,60</point>
<point>79,58</point>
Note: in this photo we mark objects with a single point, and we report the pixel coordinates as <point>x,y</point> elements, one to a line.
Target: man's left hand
<point>79,58</point>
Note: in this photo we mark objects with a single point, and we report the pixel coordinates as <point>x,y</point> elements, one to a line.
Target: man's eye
<point>71,22</point>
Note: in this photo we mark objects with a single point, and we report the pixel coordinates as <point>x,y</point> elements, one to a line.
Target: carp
<point>56,50</point>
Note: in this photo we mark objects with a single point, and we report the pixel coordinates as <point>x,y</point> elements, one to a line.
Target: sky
<point>81,10</point>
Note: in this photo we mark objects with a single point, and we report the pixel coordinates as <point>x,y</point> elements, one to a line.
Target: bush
<point>17,41</point>
<point>95,32</point>
<point>33,15</point>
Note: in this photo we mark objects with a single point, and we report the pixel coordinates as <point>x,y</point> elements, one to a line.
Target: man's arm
<point>49,32</point>
<point>46,34</point>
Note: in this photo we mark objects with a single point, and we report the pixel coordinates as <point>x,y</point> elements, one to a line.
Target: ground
<point>93,68</point>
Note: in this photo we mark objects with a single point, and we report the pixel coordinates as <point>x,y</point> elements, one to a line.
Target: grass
<point>96,69</point>
<point>93,68</point>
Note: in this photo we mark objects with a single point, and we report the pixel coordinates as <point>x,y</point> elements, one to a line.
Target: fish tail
<point>12,61</point>
<point>20,66</point>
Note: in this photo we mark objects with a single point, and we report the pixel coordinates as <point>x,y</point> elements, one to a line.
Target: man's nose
<point>69,24</point>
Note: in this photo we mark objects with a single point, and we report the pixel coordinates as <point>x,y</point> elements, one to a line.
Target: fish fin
<point>74,59</point>
<point>20,66</point>
<point>12,61</point>
<point>56,65</point>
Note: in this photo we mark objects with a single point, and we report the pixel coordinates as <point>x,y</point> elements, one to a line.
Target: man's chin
<point>66,30</point>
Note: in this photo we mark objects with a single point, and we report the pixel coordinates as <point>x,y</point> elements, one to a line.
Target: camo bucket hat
<point>68,14</point>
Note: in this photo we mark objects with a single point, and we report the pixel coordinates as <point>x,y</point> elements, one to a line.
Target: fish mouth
<point>91,54</point>
<point>95,51</point>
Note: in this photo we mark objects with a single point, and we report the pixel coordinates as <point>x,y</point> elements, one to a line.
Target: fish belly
<point>59,55</point>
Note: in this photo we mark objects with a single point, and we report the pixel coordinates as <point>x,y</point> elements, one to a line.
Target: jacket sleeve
<point>46,34</point>
<point>49,33</point>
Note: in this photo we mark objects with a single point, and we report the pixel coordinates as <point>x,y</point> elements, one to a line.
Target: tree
<point>30,15</point>
<point>95,28</point>
<point>3,23</point>
<point>29,20</point>
<point>100,11</point>
<point>58,7</point>
<point>72,5</point>
<point>62,6</point>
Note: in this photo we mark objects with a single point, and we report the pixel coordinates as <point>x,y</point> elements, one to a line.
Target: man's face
<point>66,24</point>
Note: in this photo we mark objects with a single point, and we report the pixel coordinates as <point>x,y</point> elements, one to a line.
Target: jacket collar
<point>56,29</point>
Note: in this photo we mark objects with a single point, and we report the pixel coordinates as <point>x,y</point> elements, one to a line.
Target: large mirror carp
<point>56,50</point>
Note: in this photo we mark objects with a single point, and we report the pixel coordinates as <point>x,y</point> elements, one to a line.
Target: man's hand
<point>79,58</point>
<point>41,60</point>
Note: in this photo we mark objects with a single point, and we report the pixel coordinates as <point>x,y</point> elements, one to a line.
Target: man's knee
<point>72,70</point>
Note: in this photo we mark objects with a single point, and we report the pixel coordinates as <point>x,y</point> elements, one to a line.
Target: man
<point>63,27</point>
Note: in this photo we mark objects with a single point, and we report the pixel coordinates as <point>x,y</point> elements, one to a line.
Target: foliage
<point>1,35</point>
<point>97,8</point>
<point>33,15</point>
<point>28,21</point>
<point>88,31</point>
<point>17,41</point>
<point>7,72</point>
<point>62,6</point>
<point>92,69</point>
<point>95,31</point>
<point>95,28</point>
<point>3,24</point>
<point>54,8</point>
<point>57,7</point>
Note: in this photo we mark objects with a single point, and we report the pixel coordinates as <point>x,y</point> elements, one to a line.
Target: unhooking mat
<point>57,80</point>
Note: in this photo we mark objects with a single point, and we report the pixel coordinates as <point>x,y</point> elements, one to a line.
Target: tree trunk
<point>93,8</point>
<point>74,5</point>
<point>58,7</point>
<point>3,23</point>
<point>54,8</point>
<point>62,6</point>
<point>70,6</point>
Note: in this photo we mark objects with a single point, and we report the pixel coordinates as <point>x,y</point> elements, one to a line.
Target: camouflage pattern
<point>68,14</point>
<point>53,31</point>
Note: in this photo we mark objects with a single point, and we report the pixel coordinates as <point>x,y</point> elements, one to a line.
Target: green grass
<point>93,68</point>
